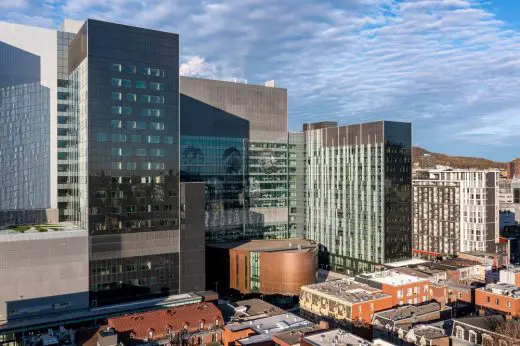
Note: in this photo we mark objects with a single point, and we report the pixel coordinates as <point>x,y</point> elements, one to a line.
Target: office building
<point>455,211</point>
<point>358,193</point>
<point>234,138</point>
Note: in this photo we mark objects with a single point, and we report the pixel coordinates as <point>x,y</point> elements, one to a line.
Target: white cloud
<point>13,4</point>
<point>198,67</point>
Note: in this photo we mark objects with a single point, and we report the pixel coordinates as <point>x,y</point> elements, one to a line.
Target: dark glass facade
<point>126,104</point>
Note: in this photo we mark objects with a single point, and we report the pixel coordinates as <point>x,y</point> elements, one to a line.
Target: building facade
<point>455,211</point>
<point>358,193</point>
<point>126,112</point>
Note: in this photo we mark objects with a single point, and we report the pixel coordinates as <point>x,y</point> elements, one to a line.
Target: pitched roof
<point>160,320</point>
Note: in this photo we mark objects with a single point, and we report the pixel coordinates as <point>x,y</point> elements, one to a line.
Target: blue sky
<point>451,67</point>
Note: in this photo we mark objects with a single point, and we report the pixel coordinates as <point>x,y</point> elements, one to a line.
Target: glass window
<point>156,86</point>
<point>147,71</point>
<point>153,139</point>
<point>101,137</point>
<point>140,84</point>
<point>145,98</point>
<point>140,152</point>
<point>131,165</point>
<point>127,110</point>
<point>135,138</point>
<point>157,126</point>
<point>118,138</point>
<point>131,69</point>
<point>127,83</point>
<point>141,125</point>
<point>117,110</point>
<point>157,99</point>
<point>116,165</point>
<point>116,67</point>
<point>117,82</point>
<point>131,97</point>
<point>157,152</point>
<point>155,112</point>
<point>131,124</point>
<point>116,124</point>
<point>168,139</point>
<point>116,96</point>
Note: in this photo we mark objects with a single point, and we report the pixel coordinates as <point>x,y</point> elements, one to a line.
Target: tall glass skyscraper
<point>124,83</point>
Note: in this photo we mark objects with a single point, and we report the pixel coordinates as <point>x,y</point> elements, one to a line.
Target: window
<point>116,96</point>
<point>156,86</point>
<point>127,110</point>
<point>488,299</point>
<point>127,83</point>
<point>409,291</point>
<point>131,124</point>
<point>147,71</point>
<point>135,138</point>
<point>157,152</point>
<point>131,69</point>
<point>141,125</point>
<point>101,137</point>
<point>116,68</point>
<point>117,110</point>
<point>140,152</point>
<point>497,301</point>
<point>153,139</point>
<point>116,124</point>
<point>140,84</point>
<point>460,333</point>
<point>472,336</point>
<point>399,293</point>
<point>157,126</point>
<point>131,165</point>
<point>118,138</point>
<point>147,112</point>
<point>509,305</point>
<point>117,82</point>
<point>131,97</point>
<point>146,98</point>
<point>168,139</point>
<point>116,165</point>
<point>121,151</point>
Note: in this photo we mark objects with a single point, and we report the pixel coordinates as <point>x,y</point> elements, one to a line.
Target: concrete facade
<point>43,273</point>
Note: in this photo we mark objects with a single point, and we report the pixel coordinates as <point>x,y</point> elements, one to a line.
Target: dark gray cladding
<point>226,103</point>
<point>17,66</point>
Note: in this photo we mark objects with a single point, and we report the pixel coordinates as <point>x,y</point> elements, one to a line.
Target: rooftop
<point>429,332</point>
<point>266,327</point>
<point>405,263</point>
<point>347,290</point>
<point>326,275</point>
<point>392,278</point>
<point>158,321</point>
<point>269,245</point>
<point>407,311</point>
<point>502,289</point>
<point>481,322</point>
<point>335,337</point>
<point>425,274</point>
<point>458,263</point>
<point>292,337</point>
<point>39,228</point>
<point>255,306</point>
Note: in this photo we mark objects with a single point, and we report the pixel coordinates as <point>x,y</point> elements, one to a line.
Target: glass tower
<point>124,84</point>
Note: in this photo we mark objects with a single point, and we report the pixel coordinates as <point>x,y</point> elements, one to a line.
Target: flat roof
<point>392,278</point>
<point>348,291</point>
<point>335,337</point>
<point>405,263</point>
<point>41,231</point>
<point>296,244</point>
<point>268,326</point>
<point>292,337</point>
<point>407,311</point>
<point>257,306</point>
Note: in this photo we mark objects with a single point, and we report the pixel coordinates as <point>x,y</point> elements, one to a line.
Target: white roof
<point>405,263</point>
<point>395,279</point>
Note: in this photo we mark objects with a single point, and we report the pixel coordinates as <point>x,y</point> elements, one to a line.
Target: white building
<point>455,211</point>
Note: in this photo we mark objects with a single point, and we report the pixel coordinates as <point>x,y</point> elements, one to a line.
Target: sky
<point>451,67</point>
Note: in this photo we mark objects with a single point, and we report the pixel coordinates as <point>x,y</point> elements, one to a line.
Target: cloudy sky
<point>451,67</point>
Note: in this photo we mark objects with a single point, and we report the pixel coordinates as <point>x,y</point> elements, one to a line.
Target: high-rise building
<point>234,138</point>
<point>358,193</point>
<point>125,102</point>
<point>455,211</point>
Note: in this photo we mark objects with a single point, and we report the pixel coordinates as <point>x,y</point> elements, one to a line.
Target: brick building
<point>503,298</point>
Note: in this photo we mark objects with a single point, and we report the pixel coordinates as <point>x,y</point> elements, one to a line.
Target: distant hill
<point>426,159</point>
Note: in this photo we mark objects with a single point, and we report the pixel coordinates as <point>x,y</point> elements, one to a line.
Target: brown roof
<point>160,320</point>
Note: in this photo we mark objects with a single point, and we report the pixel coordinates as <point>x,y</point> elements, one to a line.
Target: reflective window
<point>131,97</point>
<point>147,112</point>
<point>116,124</point>
<point>157,152</point>
<point>101,137</point>
<point>131,69</point>
<point>131,124</point>
<point>131,165</point>
<point>117,110</point>
<point>117,82</point>
<point>127,110</point>
<point>116,96</point>
<point>116,165</point>
<point>153,139</point>
<point>156,86</point>
<point>116,67</point>
<point>140,152</point>
<point>127,83</point>
<point>168,139</point>
<point>140,84</point>
<point>135,138</point>
<point>118,137</point>
<point>157,126</point>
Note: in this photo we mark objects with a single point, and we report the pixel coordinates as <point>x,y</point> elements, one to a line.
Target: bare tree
<point>509,329</point>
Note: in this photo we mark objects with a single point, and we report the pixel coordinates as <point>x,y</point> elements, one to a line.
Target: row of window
<point>147,71</point>
<point>138,152</point>
<point>145,112</point>
<point>137,125</point>
<point>121,138</point>
<point>127,83</point>
<point>133,165</point>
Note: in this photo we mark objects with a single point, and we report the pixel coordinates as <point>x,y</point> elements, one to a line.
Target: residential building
<point>44,271</point>
<point>403,288</point>
<point>455,211</point>
<point>480,331</point>
<point>501,298</point>
<point>333,337</point>
<point>234,138</point>
<point>261,331</point>
<point>268,267</point>
<point>505,194</point>
<point>342,303</point>
<point>358,190</point>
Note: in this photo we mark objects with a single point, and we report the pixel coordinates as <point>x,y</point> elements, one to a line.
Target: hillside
<point>425,159</point>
